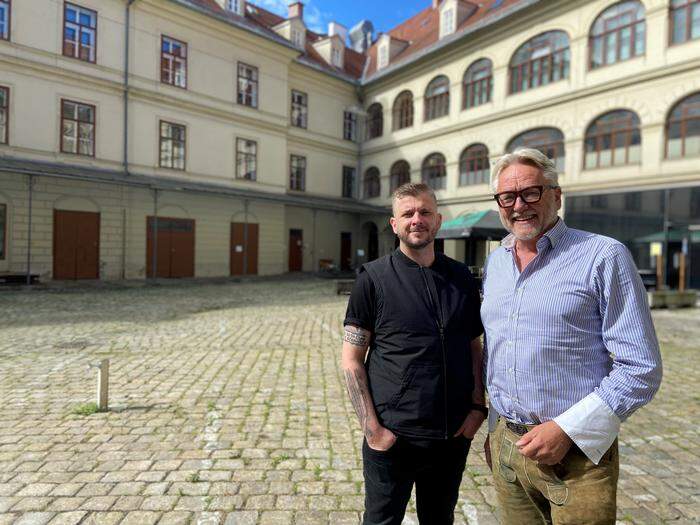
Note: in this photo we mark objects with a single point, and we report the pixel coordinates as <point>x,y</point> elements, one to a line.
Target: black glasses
<point>531,195</point>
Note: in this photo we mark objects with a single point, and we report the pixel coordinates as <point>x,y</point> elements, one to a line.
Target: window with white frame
<point>77,128</point>
<point>349,126</point>
<point>246,159</point>
<point>172,145</point>
<point>233,5</point>
<point>336,58</point>
<point>5,19</point>
<point>448,22</point>
<point>297,173</point>
<point>299,109</point>
<point>173,62</point>
<point>297,38</point>
<point>79,32</point>
<point>4,113</point>
<point>3,228</point>
<point>247,85</point>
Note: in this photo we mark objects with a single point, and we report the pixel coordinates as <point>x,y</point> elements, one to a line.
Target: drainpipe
<point>126,85</point>
<point>29,231</point>
<point>246,203</point>
<point>154,235</point>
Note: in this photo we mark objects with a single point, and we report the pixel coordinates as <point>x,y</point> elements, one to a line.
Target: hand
<point>381,438</point>
<point>546,443</point>
<point>471,424</point>
<point>487,452</point>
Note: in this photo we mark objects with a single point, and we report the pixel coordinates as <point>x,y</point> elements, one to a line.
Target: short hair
<point>411,189</point>
<point>530,157</point>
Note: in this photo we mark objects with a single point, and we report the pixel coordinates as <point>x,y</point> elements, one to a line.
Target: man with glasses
<point>570,353</point>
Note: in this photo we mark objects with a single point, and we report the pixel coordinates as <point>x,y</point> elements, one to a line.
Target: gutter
<point>125,160</point>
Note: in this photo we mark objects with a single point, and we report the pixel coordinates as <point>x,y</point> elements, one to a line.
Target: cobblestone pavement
<point>227,407</point>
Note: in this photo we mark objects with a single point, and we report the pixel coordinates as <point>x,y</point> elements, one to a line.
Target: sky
<point>384,14</point>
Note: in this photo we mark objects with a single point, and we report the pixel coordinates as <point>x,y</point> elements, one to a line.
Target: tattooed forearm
<point>359,397</point>
<point>356,336</point>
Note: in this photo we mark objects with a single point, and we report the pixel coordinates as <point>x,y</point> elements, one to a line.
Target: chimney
<point>436,4</point>
<point>295,9</point>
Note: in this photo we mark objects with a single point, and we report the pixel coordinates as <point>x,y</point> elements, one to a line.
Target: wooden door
<point>345,250</point>
<point>175,247</point>
<point>76,245</point>
<point>296,257</point>
<point>244,248</point>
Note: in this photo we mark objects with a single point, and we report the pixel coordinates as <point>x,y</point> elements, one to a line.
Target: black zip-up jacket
<point>422,320</point>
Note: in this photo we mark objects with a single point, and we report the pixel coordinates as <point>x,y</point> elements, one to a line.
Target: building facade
<point>180,138</point>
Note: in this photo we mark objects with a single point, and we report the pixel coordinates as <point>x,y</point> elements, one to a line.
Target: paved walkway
<point>228,407</point>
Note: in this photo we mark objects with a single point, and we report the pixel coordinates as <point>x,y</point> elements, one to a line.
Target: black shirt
<point>422,322</point>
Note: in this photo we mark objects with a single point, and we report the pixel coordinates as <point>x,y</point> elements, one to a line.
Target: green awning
<point>480,225</point>
<point>673,236</point>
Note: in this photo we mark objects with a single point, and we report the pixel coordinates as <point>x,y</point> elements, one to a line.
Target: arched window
<point>477,84</point>
<point>617,34</point>
<point>685,20</point>
<point>437,98</point>
<point>549,141</point>
<point>474,165</point>
<point>613,139</point>
<point>403,111</point>
<point>400,174</point>
<point>539,61</point>
<point>375,121</point>
<point>683,128</point>
<point>434,172</point>
<point>372,185</point>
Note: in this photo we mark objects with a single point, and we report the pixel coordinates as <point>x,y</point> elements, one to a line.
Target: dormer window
<point>336,58</point>
<point>448,22</point>
<point>297,38</point>
<point>383,59</point>
<point>236,6</point>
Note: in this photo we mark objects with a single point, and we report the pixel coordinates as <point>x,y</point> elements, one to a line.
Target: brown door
<point>296,241</point>
<point>76,245</point>
<point>244,248</point>
<point>175,247</point>
<point>345,250</point>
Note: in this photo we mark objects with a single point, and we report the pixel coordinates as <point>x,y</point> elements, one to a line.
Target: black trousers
<point>436,469</point>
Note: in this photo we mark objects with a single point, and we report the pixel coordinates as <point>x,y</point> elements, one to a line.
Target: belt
<point>517,428</point>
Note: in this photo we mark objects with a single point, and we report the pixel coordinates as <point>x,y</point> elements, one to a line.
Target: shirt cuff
<point>592,425</point>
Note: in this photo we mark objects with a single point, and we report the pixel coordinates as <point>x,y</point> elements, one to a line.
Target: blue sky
<point>384,14</point>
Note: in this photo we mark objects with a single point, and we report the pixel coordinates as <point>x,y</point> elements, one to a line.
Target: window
<point>336,58</point>
<point>172,145</point>
<point>685,20</point>
<point>79,32</point>
<point>613,139</point>
<point>633,201</point>
<point>477,84</point>
<point>77,128</point>
<point>375,121</point>
<point>474,167</point>
<point>246,159</point>
<point>173,62</point>
<point>437,98</point>
<point>617,34</point>
<point>247,85</point>
<point>349,126</point>
<point>5,19</point>
<point>348,182</point>
<point>448,21</point>
<point>383,59</point>
<point>233,5</point>
<point>299,109</point>
<point>3,231</point>
<point>400,174</point>
<point>549,141</point>
<point>540,61</point>
<point>403,111</point>
<point>683,128</point>
<point>434,172</point>
<point>297,38</point>
<point>4,114</point>
<point>599,202</point>
<point>372,185</point>
<point>297,173</point>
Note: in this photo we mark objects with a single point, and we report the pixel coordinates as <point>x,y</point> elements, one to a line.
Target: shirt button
<point>510,343</point>
<point>511,371</point>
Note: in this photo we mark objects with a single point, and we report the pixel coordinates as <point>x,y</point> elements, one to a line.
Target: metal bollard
<point>102,384</point>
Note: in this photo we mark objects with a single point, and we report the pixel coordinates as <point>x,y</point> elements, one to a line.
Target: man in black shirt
<point>412,362</point>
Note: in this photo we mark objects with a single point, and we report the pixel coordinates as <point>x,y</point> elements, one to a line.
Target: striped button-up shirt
<point>570,338</point>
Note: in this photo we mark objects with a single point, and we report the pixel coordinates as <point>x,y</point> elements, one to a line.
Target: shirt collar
<point>553,236</point>
<point>405,259</point>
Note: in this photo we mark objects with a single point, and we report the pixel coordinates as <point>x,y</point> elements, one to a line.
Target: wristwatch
<point>480,408</point>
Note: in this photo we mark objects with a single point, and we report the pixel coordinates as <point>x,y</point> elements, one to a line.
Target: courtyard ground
<point>227,406</point>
